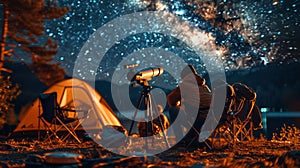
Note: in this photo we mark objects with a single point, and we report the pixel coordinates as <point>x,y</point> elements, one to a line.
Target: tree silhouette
<point>23,36</point>
<point>8,92</point>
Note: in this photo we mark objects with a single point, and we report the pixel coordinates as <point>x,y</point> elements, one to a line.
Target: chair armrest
<point>82,111</point>
<point>71,110</point>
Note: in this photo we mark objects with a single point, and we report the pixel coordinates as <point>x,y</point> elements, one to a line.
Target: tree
<point>23,34</point>
<point>8,92</point>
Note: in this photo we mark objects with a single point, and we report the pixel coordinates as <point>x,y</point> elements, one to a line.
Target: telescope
<point>148,73</point>
<point>142,77</point>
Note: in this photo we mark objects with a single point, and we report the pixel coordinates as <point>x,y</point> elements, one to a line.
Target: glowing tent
<point>71,93</point>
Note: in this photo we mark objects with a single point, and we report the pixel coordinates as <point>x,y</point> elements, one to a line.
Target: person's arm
<point>174,97</point>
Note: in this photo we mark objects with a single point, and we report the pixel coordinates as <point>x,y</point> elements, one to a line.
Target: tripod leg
<point>149,118</point>
<point>159,119</point>
<point>163,131</point>
<point>134,116</point>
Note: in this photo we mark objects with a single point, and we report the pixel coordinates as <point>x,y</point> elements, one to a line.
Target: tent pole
<point>39,122</point>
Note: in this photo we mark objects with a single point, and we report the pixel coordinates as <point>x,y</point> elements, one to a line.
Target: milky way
<point>260,32</point>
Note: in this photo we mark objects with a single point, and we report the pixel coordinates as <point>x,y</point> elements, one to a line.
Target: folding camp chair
<point>236,123</point>
<point>245,103</point>
<point>57,119</point>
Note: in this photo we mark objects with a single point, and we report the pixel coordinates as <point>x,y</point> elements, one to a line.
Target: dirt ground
<point>257,153</point>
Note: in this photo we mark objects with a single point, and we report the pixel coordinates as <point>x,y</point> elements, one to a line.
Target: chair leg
<point>72,129</point>
<point>69,130</point>
<point>49,129</point>
<point>235,131</point>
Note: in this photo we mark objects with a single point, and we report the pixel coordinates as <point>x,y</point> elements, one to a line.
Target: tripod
<point>149,102</point>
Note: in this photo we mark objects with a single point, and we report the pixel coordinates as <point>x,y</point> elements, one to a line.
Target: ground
<point>256,153</point>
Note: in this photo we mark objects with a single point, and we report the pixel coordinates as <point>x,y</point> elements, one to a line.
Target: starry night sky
<point>264,31</point>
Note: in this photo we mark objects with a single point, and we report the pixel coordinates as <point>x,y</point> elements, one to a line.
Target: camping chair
<point>57,119</point>
<point>236,124</point>
<point>245,103</point>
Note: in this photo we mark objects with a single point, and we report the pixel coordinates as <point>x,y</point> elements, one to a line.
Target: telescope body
<point>149,73</point>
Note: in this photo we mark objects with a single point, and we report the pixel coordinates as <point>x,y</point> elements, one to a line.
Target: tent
<point>72,93</point>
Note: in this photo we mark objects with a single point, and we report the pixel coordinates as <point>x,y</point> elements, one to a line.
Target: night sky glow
<point>246,33</point>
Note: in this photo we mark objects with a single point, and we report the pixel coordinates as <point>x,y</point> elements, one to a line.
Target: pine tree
<point>8,92</point>
<point>23,34</point>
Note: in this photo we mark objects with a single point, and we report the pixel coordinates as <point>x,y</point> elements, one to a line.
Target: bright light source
<point>264,110</point>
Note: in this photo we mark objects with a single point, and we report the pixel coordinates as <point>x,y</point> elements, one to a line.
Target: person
<point>197,95</point>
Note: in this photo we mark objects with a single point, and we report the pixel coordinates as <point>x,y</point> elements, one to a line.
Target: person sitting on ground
<point>197,96</point>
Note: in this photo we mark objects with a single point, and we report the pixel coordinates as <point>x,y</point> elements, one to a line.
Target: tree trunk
<point>4,34</point>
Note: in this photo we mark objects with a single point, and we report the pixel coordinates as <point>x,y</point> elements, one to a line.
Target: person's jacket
<point>195,93</point>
